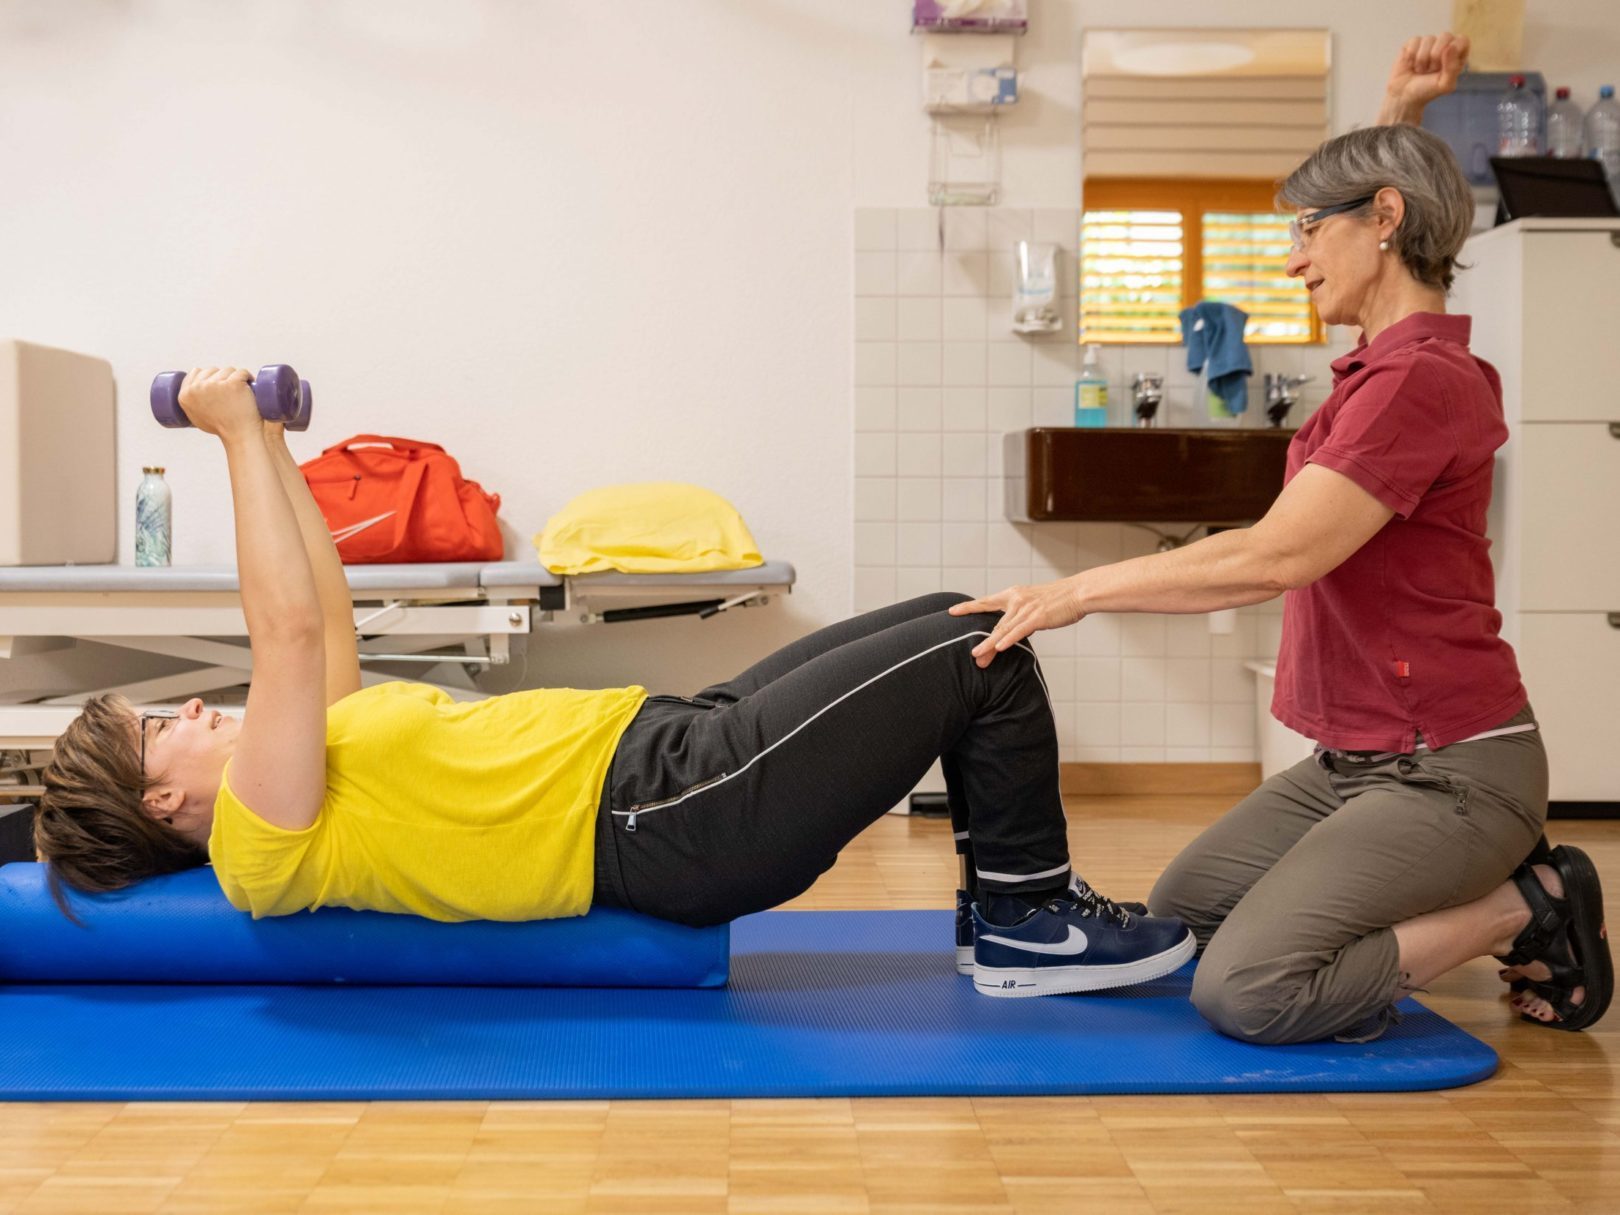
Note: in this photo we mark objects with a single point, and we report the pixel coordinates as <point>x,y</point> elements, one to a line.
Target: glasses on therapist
<point>1301,227</point>
<point>150,716</point>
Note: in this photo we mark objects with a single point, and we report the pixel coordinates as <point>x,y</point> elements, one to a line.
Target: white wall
<point>576,242</point>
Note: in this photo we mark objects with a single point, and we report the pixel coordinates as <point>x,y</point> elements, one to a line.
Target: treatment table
<point>469,613</point>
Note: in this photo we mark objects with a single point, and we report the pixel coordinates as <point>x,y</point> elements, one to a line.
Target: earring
<point>1383,244</point>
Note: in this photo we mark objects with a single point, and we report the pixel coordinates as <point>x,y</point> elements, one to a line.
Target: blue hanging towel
<point>1214,333</point>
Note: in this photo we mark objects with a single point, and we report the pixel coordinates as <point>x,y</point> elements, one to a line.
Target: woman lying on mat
<point>537,804</point>
<point>1399,850</point>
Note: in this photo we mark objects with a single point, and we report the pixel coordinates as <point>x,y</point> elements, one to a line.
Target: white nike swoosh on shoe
<point>1075,943</point>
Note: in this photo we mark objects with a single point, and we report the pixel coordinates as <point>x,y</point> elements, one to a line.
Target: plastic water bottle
<point>153,517</point>
<point>1564,120</point>
<point>1518,121</point>
<point>1601,134</point>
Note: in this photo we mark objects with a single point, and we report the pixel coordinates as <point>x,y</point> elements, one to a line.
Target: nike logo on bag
<point>1076,943</point>
<point>354,529</point>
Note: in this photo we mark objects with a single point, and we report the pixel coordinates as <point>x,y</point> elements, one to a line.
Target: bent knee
<point>1216,999</point>
<point>1169,897</point>
<point>938,603</point>
<point>1174,894</point>
<point>1239,1010</point>
<point>968,623</point>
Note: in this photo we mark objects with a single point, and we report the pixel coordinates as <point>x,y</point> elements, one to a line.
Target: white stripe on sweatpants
<point>1021,877</point>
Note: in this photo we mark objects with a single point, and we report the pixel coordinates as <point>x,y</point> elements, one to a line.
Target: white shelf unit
<point>1545,298</point>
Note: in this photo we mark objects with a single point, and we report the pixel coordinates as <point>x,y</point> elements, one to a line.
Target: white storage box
<point>58,457</point>
<point>1280,747</point>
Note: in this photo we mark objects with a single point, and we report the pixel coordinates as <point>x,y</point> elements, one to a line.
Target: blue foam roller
<point>180,929</point>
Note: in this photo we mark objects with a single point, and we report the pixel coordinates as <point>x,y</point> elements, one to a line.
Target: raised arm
<point>1426,67</point>
<point>331,587</point>
<point>1318,520</point>
<point>279,766</point>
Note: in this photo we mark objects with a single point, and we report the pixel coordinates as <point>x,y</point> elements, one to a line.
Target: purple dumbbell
<point>281,395</point>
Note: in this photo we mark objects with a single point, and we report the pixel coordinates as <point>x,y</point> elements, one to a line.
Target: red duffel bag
<point>388,499</point>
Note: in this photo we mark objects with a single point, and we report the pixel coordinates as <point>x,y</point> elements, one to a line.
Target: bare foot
<point>1528,1002</point>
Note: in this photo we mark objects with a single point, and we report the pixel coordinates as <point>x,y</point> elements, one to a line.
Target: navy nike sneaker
<point>1079,941</point>
<point>964,921</point>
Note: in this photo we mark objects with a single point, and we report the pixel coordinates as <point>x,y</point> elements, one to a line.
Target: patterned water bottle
<point>152,519</point>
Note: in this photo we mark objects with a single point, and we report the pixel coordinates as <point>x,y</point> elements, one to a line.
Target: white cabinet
<point>1571,664</point>
<point>1569,556</point>
<point>1571,302</point>
<point>1545,298</point>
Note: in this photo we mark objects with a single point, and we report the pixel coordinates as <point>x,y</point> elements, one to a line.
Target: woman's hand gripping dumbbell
<point>228,400</point>
<point>280,394</point>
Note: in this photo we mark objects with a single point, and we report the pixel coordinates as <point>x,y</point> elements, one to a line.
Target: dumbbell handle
<point>280,394</point>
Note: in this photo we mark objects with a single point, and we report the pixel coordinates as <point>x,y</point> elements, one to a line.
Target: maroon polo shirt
<point>1403,637</point>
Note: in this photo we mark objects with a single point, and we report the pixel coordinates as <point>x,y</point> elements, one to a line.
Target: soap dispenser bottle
<point>1091,392</point>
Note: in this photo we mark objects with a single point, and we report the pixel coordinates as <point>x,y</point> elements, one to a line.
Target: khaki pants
<point>1294,892</point>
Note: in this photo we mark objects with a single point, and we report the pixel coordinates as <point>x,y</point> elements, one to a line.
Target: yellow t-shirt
<point>478,810</point>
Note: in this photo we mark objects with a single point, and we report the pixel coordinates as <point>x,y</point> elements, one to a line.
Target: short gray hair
<point>1439,202</point>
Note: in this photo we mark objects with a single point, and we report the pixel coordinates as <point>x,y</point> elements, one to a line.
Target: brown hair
<point>90,826</point>
<point>1419,164</point>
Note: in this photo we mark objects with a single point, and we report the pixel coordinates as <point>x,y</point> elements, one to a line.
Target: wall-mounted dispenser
<point>1035,288</point>
<point>968,74</point>
<point>970,16</point>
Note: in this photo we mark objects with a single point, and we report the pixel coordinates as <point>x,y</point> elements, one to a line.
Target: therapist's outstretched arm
<point>1319,519</point>
<point>1426,67</point>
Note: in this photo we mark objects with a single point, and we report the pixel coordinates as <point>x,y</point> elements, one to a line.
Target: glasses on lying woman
<point>152,715</point>
<point>1301,227</point>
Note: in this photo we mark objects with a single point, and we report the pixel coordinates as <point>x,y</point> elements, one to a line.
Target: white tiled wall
<point>939,377</point>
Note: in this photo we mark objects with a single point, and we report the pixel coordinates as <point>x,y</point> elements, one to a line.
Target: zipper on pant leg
<point>1411,768</point>
<point>636,811</point>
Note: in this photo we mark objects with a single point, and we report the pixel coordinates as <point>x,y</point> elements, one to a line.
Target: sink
<point>1147,475</point>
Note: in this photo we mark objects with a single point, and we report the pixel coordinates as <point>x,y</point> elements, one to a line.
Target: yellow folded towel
<point>657,527</point>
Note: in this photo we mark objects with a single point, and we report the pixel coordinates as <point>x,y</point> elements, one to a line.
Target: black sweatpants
<point>737,799</point>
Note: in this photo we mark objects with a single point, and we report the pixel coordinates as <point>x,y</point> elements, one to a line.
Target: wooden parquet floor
<point>1542,1135</point>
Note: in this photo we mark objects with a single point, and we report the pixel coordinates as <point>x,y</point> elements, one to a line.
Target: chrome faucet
<point>1147,390</point>
<point>1281,395</point>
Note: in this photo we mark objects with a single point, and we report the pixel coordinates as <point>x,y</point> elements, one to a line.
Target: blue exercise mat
<point>820,1004</point>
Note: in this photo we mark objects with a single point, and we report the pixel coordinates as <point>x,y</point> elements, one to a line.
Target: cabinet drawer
<point>1570,531</point>
<point>1571,297</point>
<point>1571,666</point>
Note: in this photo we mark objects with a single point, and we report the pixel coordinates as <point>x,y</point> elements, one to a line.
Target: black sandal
<point>1541,854</point>
<point>1568,936</point>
